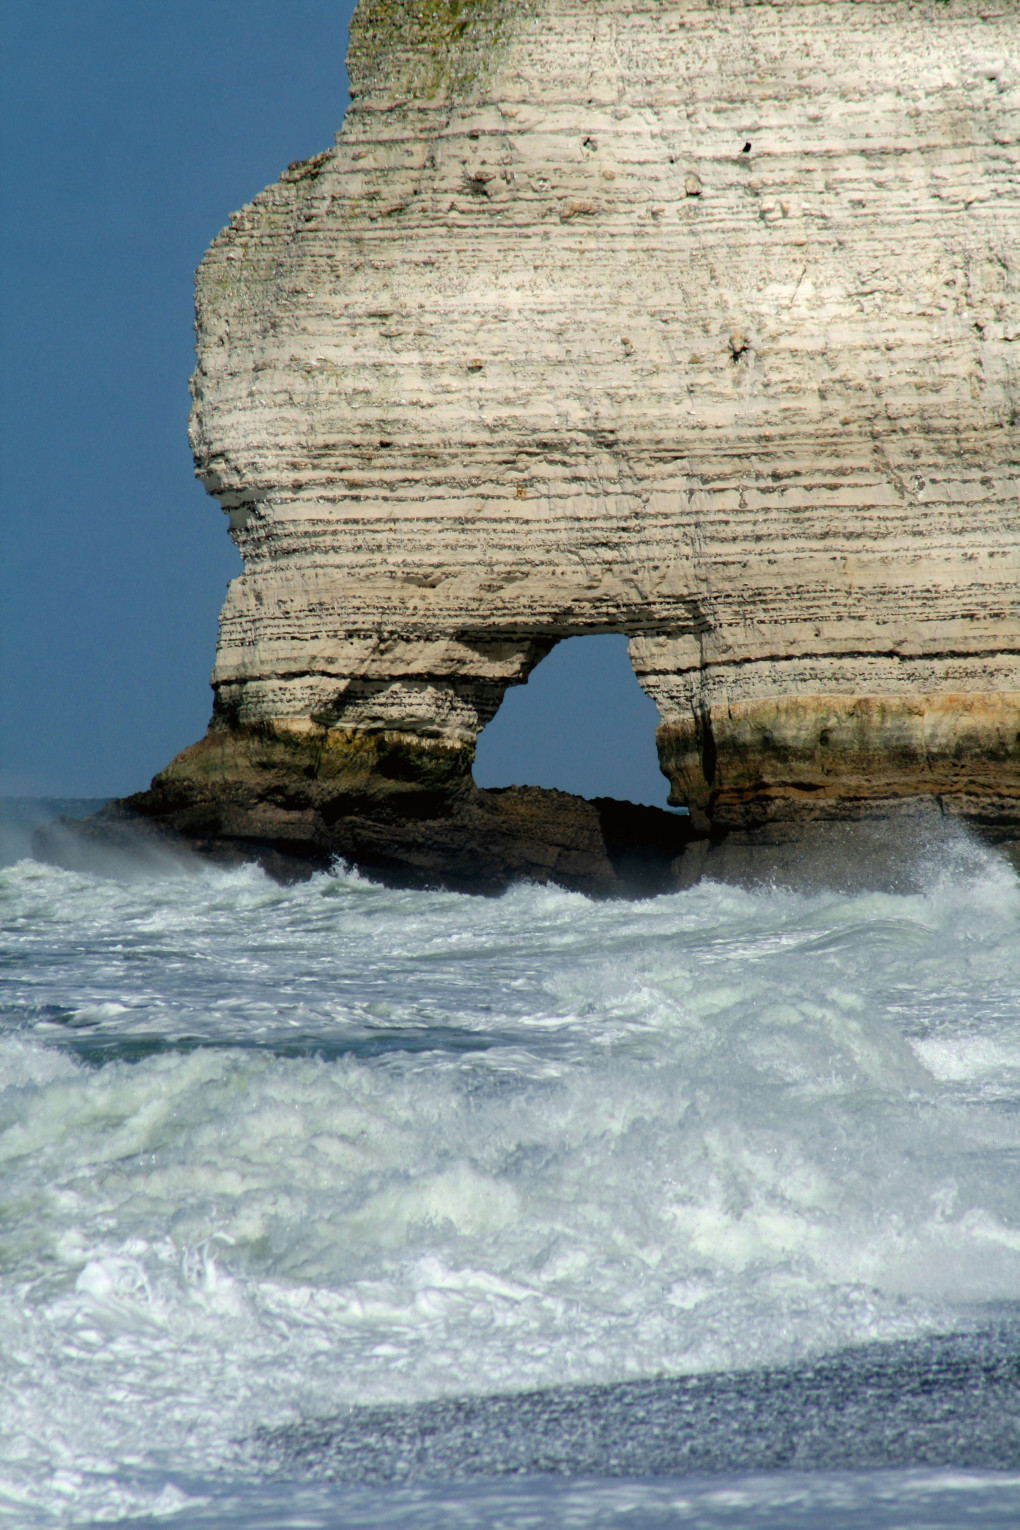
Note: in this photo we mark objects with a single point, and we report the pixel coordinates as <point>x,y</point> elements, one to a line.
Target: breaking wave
<point>272,1154</point>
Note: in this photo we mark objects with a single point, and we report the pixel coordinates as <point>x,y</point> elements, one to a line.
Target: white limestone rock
<point>693,321</point>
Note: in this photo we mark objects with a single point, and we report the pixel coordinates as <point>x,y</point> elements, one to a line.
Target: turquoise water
<point>334,1204</point>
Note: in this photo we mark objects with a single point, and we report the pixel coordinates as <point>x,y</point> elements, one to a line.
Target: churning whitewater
<point>337,1185</point>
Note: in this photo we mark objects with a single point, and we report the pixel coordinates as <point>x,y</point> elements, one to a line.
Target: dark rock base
<point>406,811</point>
<point>402,809</point>
<point>486,841</point>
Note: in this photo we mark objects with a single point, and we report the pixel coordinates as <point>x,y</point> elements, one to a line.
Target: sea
<point>336,1205</point>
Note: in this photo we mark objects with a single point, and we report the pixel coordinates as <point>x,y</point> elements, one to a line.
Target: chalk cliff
<point>692,321</point>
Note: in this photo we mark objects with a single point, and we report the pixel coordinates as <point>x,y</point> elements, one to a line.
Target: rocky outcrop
<point>691,321</point>
<point>413,816</point>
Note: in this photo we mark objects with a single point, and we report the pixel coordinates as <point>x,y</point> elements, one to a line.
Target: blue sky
<point>131,131</point>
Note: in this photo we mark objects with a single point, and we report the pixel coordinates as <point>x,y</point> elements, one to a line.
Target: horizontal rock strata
<point>695,322</point>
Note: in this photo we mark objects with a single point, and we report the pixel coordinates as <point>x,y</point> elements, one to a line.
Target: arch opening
<point>580,723</point>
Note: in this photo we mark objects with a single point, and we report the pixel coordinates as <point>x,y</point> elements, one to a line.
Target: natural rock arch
<point>538,348</point>
<point>581,724</point>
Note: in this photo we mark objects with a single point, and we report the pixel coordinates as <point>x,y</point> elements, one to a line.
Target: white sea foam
<point>267,1152</point>
<point>911,1500</point>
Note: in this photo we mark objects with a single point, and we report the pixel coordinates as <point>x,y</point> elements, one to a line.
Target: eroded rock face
<point>696,322</point>
<point>404,808</point>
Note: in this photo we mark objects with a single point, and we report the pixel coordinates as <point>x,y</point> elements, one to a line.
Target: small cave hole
<point>580,723</point>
